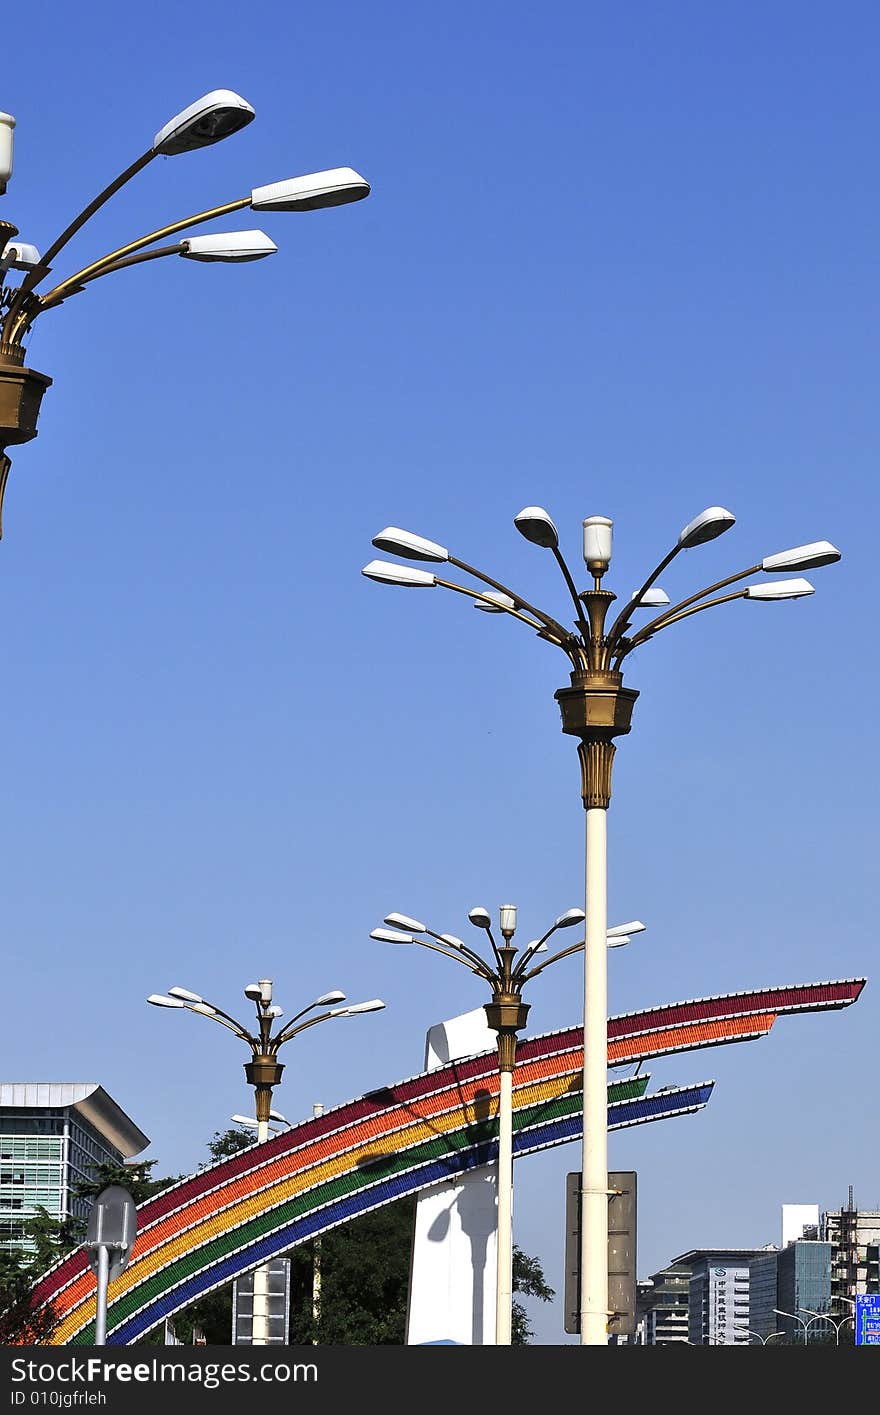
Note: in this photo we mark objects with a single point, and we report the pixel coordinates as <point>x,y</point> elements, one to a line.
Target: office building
<point>662,1307</point>
<point>718,1296</point>
<point>53,1135</point>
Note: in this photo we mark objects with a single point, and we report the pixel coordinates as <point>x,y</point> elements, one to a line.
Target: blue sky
<point>617,260</point>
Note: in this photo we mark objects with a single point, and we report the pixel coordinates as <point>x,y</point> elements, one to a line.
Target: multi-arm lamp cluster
<point>507,974</point>
<point>596,708</point>
<point>263,1072</point>
<point>211,118</point>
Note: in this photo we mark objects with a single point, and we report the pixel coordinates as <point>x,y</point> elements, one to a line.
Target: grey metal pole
<point>103,1282</point>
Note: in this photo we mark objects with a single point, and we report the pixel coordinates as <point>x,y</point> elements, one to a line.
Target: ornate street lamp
<point>595,709</point>
<point>211,118</point>
<point>506,1015</point>
<point>263,1072</point>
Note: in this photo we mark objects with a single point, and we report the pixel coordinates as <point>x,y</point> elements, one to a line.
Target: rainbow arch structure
<point>205,1230</point>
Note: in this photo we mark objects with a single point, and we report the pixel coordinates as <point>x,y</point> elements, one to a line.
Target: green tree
<point>528,1278</point>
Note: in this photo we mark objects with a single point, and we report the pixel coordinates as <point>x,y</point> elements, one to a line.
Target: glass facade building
<point>53,1135</point>
<point>803,1286</point>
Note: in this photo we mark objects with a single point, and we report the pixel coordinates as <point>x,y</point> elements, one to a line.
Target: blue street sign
<point>868,1319</point>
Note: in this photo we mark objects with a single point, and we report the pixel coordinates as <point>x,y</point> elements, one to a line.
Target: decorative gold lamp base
<point>21,393</point>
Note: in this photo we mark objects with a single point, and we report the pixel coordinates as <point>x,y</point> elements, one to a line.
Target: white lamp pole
<point>597,708</point>
<point>506,974</point>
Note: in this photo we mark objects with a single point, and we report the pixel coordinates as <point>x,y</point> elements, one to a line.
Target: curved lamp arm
<point>654,625</point>
<point>554,958</point>
<point>218,1015</point>
<point>621,623</point>
<point>97,267</point>
<point>546,619</point>
<point>642,637</point>
<point>479,964</point>
<point>563,638</point>
<point>39,272</point>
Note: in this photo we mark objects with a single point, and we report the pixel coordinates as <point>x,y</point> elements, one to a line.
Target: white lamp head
<point>779,589</point>
<point>159,1000</point>
<point>410,546</point>
<point>247,1120</point>
<point>712,522</point>
<point>480,918</point>
<point>388,574</point>
<point>375,1004</point>
<point>652,599</point>
<point>19,255</point>
<point>185,994</point>
<point>253,992</point>
<point>597,544</point>
<point>204,1008</point>
<point>265,989</point>
<point>802,557</point>
<point>391,936</point>
<point>7,123</point>
<point>275,1011</point>
<point>635,926</point>
<point>535,524</point>
<point>403,921</point>
<point>536,947</point>
<point>326,1000</point>
<point>452,941</point>
<point>214,116</point>
<point>617,940</point>
<point>313,192</point>
<point>494,602</point>
<point>228,245</point>
<point>570,917</point>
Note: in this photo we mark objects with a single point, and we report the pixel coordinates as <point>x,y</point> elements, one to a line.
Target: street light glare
<point>229,246</point>
<point>535,524</point>
<point>779,589</point>
<point>409,545</point>
<point>802,557</point>
<point>397,574</point>
<point>214,116</point>
<point>313,192</point>
<point>712,522</point>
<point>403,921</point>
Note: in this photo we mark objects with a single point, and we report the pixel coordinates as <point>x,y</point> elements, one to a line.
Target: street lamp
<point>214,116</point>
<point>506,1015</point>
<point>824,1317</point>
<point>795,1318</point>
<point>596,708</point>
<point>763,1339</point>
<point>263,1072</point>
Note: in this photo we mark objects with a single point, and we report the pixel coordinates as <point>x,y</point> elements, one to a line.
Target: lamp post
<point>596,708</point>
<point>795,1318</point>
<point>763,1339</point>
<point>506,1015</point>
<point>824,1317</point>
<point>263,1072</point>
<point>214,116</point>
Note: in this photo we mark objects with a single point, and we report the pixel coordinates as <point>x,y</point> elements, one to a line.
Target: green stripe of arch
<point>298,1206</point>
